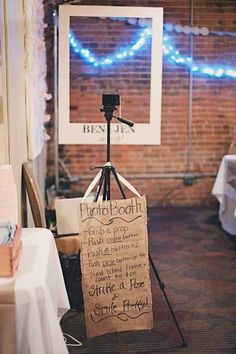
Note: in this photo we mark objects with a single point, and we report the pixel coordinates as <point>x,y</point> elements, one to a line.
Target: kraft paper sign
<point>115,266</point>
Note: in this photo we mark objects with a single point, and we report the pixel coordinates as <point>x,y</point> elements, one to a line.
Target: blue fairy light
<point>174,56</point>
<point>169,51</point>
<point>90,58</point>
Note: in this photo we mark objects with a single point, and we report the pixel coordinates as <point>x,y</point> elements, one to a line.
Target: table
<point>40,295</point>
<point>224,190</point>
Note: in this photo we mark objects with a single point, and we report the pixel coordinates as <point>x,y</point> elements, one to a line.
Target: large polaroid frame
<point>140,134</point>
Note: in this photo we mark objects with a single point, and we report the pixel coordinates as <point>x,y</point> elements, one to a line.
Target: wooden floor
<point>196,260</point>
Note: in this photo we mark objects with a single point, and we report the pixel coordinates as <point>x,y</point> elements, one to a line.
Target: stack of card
<point>7,231</point>
<point>10,254</point>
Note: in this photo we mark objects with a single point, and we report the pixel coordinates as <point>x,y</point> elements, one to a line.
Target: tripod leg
<point>100,185</point>
<point>118,182</point>
<point>162,287</point>
<point>107,183</point>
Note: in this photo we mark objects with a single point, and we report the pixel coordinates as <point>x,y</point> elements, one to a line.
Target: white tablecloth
<point>226,196</point>
<point>40,295</point>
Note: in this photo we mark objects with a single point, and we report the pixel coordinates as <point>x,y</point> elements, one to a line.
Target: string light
<point>90,58</point>
<point>174,56</point>
<point>169,51</point>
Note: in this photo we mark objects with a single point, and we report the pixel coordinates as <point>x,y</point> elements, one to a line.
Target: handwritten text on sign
<point>115,268</point>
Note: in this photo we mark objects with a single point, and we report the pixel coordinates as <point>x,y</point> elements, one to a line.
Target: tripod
<point>105,182</point>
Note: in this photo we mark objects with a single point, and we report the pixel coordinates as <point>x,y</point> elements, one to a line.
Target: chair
<point>34,196</point>
<point>69,244</point>
<point>232,148</point>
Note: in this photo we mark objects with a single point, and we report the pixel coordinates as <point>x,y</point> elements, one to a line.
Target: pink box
<point>10,255</point>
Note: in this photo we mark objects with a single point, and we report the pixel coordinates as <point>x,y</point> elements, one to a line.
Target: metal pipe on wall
<point>55,83</point>
<point>190,97</point>
<point>163,175</point>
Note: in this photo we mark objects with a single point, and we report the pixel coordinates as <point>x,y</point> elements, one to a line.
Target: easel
<point>104,181</point>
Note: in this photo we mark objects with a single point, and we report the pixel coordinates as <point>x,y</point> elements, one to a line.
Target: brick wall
<point>156,170</point>
<point>130,79</point>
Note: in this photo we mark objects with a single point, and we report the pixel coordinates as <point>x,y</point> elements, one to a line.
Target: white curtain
<point>35,75</point>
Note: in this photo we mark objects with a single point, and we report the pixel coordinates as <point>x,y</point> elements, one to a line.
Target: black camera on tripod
<point>110,100</point>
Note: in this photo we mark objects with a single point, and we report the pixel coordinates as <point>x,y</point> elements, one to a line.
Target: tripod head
<point>108,112</point>
<point>109,106</point>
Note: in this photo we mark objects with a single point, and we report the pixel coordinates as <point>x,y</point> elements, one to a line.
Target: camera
<point>109,103</point>
<point>110,100</point>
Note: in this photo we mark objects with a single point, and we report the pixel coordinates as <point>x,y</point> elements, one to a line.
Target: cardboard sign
<point>115,266</point>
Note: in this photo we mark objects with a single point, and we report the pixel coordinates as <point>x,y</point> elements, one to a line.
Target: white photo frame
<point>95,133</point>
